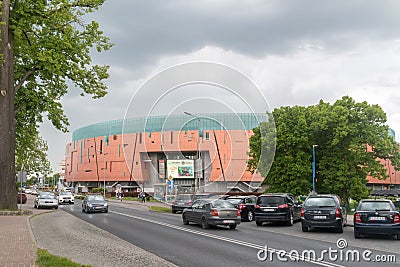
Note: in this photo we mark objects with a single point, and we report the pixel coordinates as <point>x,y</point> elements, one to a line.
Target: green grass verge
<point>160,209</point>
<point>45,259</point>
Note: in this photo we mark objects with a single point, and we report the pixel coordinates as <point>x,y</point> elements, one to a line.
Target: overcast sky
<point>296,52</point>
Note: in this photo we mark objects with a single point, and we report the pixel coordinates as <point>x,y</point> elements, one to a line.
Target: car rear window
<point>272,200</point>
<point>320,202</point>
<point>234,201</point>
<point>221,204</point>
<point>183,197</point>
<point>375,205</point>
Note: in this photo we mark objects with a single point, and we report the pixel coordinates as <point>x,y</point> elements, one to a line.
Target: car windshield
<point>221,204</point>
<point>320,202</point>
<point>183,197</point>
<point>375,205</point>
<point>47,195</point>
<point>96,197</point>
<point>234,201</point>
<point>64,193</point>
<point>272,200</point>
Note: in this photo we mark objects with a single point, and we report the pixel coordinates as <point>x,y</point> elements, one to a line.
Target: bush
<point>97,190</point>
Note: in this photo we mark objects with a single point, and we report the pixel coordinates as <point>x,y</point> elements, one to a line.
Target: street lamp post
<point>313,168</point>
<point>197,181</point>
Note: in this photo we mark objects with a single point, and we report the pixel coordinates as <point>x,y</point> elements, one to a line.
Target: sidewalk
<point>16,239</point>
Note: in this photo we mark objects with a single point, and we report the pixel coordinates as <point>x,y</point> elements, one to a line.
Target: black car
<point>181,202</point>
<point>207,212</point>
<point>376,217</point>
<point>246,206</point>
<point>277,207</point>
<point>94,203</point>
<point>323,211</point>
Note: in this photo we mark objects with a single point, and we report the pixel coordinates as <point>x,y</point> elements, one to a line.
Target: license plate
<point>377,219</point>
<point>320,217</point>
<point>228,221</point>
<point>268,209</point>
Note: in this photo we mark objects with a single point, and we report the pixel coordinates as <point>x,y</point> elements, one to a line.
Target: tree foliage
<point>343,132</point>
<point>47,46</point>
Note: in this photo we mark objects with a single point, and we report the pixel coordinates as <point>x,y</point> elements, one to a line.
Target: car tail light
<point>338,213</point>
<point>214,213</point>
<point>302,213</point>
<point>238,213</point>
<point>283,206</point>
<point>190,202</point>
<point>242,206</point>
<point>357,217</point>
<point>174,202</point>
<point>257,206</point>
<point>396,218</point>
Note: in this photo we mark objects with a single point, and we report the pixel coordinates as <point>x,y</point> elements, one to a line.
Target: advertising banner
<point>180,168</point>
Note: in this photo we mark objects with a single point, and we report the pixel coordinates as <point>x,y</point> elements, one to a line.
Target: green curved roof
<point>162,123</point>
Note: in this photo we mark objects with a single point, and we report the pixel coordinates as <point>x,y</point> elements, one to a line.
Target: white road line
<point>230,240</point>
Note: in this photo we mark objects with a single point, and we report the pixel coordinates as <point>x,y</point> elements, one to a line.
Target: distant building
<point>160,154</point>
<point>393,180</point>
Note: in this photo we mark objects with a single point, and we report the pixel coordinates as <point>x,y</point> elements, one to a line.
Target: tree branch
<point>24,78</point>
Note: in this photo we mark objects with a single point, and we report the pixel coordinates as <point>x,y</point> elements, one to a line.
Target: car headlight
<point>105,204</point>
<point>90,205</point>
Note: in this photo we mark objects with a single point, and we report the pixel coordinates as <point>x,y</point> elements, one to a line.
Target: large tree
<point>343,132</point>
<point>45,47</point>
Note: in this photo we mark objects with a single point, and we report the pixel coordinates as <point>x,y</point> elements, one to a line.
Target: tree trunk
<point>8,189</point>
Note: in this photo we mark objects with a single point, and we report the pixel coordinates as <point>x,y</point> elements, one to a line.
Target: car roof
<point>376,200</point>
<point>241,196</point>
<point>276,194</point>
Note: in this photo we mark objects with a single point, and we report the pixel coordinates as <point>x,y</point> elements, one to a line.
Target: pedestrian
<point>144,197</point>
<point>141,196</point>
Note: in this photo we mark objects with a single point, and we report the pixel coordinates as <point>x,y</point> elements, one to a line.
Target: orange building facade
<point>160,154</point>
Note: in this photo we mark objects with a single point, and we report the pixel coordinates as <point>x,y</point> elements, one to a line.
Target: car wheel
<point>258,223</point>
<point>204,223</point>
<point>106,211</point>
<point>291,220</point>
<point>83,210</point>
<point>56,207</point>
<point>340,229</point>
<point>305,228</point>
<point>250,216</point>
<point>184,219</point>
<point>357,234</point>
<point>232,227</point>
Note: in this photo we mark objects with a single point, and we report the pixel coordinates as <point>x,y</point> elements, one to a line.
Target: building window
<point>207,136</point>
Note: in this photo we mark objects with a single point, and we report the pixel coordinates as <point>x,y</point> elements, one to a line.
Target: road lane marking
<point>227,239</point>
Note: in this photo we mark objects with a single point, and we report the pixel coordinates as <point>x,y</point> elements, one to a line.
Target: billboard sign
<point>180,168</point>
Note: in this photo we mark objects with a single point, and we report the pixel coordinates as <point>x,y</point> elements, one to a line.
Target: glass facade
<point>182,122</point>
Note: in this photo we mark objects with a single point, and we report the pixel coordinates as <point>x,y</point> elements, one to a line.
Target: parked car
<point>21,198</point>
<point>202,196</point>
<point>323,211</point>
<point>181,202</point>
<point>376,217</point>
<point>66,197</point>
<point>245,204</point>
<point>212,212</point>
<point>94,203</point>
<point>277,207</point>
<point>46,200</point>
<point>28,191</point>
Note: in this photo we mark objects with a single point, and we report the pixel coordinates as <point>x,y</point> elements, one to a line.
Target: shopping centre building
<point>179,153</point>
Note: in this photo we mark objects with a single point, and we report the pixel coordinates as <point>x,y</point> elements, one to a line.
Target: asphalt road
<point>249,245</point>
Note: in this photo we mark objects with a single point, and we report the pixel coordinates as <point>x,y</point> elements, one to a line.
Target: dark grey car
<point>207,212</point>
<point>323,211</point>
<point>94,203</point>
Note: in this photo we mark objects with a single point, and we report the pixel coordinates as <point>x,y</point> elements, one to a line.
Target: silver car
<point>46,200</point>
<point>212,212</point>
